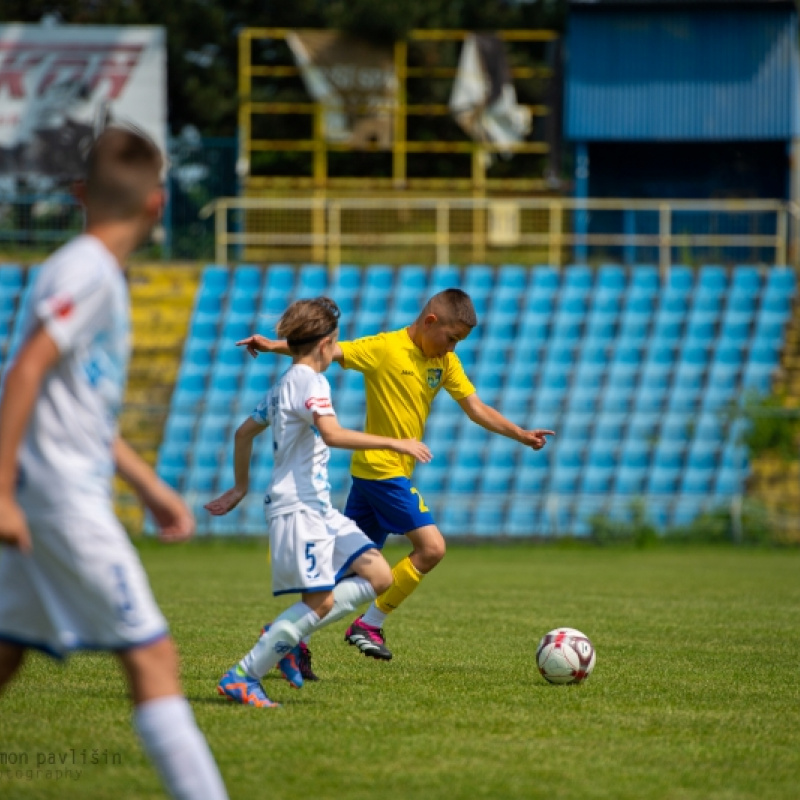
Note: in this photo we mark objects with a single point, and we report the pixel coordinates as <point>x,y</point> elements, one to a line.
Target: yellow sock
<point>406,579</point>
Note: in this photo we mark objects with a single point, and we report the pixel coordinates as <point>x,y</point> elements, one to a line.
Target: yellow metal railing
<point>525,230</point>
<point>319,178</point>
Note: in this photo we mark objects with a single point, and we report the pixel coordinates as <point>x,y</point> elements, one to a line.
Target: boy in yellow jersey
<point>403,371</point>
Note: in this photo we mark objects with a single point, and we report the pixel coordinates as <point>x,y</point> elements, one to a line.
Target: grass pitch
<point>696,693</point>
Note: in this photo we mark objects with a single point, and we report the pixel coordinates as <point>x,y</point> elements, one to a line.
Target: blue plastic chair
<point>662,480</point>
<point>629,480</point>
<point>741,304</point>
<point>680,280</point>
<point>611,278</point>
<point>578,277</point>
<point>345,281</point>
<point>712,278</point>
<point>746,280</point>
<point>645,279</point>
<point>247,278</point>
<point>444,276</point>
<point>781,280</point>
<point>214,280</point>
<point>513,277</point>
<point>697,480</point>
<point>279,280</point>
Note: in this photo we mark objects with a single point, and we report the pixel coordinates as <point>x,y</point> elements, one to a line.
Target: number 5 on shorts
<point>310,558</point>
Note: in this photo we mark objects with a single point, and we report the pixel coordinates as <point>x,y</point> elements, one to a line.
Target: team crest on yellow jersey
<point>434,378</point>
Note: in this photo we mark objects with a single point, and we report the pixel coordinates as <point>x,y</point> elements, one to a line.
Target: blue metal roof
<point>648,73</point>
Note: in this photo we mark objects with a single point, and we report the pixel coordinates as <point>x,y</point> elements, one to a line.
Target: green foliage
<point>721,525</point>
<point>772,429</point>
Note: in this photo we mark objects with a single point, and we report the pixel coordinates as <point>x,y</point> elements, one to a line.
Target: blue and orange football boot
<point>236,685</point>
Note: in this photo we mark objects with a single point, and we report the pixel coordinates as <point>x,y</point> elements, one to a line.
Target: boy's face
<point>439,338</point>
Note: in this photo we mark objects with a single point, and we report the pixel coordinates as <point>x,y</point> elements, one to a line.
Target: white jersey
<point>81,299</point>
<point>300,471</point>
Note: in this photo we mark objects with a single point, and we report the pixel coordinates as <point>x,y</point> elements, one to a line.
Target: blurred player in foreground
<point>69,576</point>
<point>403,372</point>
<point>315,550</point>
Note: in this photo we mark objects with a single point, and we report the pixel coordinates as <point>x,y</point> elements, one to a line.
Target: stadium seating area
<point>637,373</point>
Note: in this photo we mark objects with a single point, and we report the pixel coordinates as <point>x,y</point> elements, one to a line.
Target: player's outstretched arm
<point>334,435</point>
<point>257,343</point>
<point>174,519</point>
<point>22,384</point>
<point>242,450</point>
<point>491,419</point>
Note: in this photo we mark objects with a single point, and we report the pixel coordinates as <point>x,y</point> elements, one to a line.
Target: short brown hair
<point>305,322</point>
<point>122,167</point>
<point>452,306</point>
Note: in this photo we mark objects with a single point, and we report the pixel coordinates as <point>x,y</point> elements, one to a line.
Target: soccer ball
<point>565,656</point>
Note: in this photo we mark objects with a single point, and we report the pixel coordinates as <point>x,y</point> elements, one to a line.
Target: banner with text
<point>61,85</point>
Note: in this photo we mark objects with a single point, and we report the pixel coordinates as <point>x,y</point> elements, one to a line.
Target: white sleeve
<point>77,304</point>
<point>316,398</point>
<point>261,411</point>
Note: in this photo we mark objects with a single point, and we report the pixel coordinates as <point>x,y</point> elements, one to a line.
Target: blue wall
<point>705,74</point>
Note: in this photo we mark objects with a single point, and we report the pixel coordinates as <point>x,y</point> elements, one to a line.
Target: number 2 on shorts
<point>422,507</point>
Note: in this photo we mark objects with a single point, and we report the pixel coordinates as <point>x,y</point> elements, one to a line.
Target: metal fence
<point>551,231</point>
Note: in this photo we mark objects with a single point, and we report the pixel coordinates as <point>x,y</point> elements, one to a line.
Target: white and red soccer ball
<point>565,655</point>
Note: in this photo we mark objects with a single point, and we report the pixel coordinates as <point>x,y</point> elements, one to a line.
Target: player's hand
<point>174,519</point>
<point>225,502</point>
<point>411,447</point>
<point>13,526</point>
<point>536,439</point>
<point>257,343</point>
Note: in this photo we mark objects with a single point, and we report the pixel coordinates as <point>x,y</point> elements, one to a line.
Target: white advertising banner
<point>60,85</point>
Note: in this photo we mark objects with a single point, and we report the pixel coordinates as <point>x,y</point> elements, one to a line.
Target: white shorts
<point>310,551</point>
<point>82,587</point>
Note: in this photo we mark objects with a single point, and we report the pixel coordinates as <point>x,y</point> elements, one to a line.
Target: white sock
<point>178,749</point>
<point>347,596</point>
<point>283,635</point>
<point>374,616</point>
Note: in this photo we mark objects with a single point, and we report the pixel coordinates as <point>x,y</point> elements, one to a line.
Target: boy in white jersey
<point>313,547</point>
<point>69,576</point>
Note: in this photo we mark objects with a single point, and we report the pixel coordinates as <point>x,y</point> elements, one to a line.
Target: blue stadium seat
<point>663,480</point>
<point>346,281</point>
<point>611,278</point>
<point>599,330</point>
<point>512,277</point>
<point>781,280</point>
<point>680,280</point>
<point>545,277</point>
<point>583,400</point>
<point>179,430</point>
<point>669,455</point>
<point>651,398</point>
<point>431,479</point>
<point>368,323</point>
<point>443,276</point>
<point>594,353</point>
<point>279,281</point>
<point>696,480</point>
<point>629,480</point>
<point>712,278</point>
<point>497,476</point>
<point>172,456</point>
<point>746,281</point>
<point>478,280</point>
<point>11,279</point>
<point>645,279</point>
<point>643,427</point>
<point>247,278</point>
<point>741,303</point>
<point>312,281</point>
<point>634,331</point>
<point>687,507</point>
<point>589,376</point>
<point>764,352</point>
<point>757,377</point>
<point>728,482</point>
<point>578,277</point>
<point>676,427</point>
<point>214,280</point>
<point>213,429</point>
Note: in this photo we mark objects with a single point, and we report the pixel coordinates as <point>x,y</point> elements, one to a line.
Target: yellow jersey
<point>400,386</point>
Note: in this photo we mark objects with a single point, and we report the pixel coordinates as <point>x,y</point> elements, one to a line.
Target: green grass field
<point>696,693</point>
